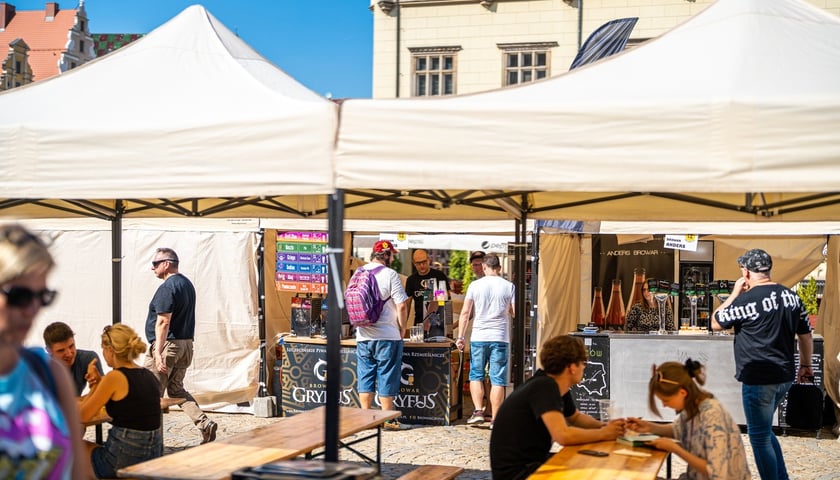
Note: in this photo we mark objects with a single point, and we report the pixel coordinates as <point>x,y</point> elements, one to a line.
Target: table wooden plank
<point>568,464</point>
<point>286,439</point>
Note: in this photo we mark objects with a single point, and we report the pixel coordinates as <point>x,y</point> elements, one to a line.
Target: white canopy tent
<point>731,116</point>
<point>189,110</point>
<point>743,97</point>
<point>185,121</point>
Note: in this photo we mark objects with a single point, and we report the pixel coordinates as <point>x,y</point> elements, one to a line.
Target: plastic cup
<point>605,409</point>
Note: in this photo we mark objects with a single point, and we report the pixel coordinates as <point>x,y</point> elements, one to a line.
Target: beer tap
<point>690,291</point>
<point>660,290</point>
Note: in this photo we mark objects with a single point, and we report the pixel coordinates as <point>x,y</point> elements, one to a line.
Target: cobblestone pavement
<point>807,457</point>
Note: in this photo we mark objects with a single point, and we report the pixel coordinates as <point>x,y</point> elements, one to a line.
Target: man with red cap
<point>379,346</point>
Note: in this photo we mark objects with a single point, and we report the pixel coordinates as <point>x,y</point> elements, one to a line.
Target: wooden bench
<point>285,439</point>
<point>433,472</point>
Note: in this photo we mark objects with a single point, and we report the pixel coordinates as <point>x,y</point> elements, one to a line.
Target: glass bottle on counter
<point>615,316</point>
<point>636,294</point>
<point>598,314</point>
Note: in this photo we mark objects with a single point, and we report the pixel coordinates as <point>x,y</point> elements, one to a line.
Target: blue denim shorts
<point>125,447</point>
<point>494,353</point>
<point>382,360</point>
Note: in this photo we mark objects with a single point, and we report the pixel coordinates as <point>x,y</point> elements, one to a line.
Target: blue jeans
<point>379,362</point>
<point>493,353</point>
<point>125,447</point>
<point>760,403</point>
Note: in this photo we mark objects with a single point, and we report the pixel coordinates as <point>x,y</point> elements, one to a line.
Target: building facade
<point>449,47</point>
<point>38,44</point>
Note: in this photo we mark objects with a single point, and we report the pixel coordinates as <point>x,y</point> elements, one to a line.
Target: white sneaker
<point>477,417</point>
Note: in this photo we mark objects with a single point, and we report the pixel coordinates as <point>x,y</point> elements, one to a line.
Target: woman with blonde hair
<point>703,434</point>
<point>131,397</point>
<point>42,435</point>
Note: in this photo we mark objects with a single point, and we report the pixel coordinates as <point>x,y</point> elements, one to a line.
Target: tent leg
<point>335,221</point>
<point>116,263</point>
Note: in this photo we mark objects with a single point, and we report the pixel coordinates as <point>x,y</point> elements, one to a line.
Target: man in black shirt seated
<point>542,411</point>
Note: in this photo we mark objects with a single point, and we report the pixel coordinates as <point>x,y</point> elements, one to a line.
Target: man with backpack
<point>379,344</point>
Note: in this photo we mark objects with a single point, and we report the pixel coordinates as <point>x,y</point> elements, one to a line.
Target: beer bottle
<point>598,308</point>
<point>615,308</point>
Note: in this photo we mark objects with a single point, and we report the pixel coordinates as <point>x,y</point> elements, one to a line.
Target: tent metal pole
<point>520,264</point>
<point>116,263</point>
<point>263,378</point>
<point>335,243</point>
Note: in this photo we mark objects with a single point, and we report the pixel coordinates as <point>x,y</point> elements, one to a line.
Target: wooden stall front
<point>430,381</point>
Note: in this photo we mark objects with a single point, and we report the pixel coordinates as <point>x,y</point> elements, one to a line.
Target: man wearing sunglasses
<point>766,316</point>
<point>170,330</point>
<point>84,365</point>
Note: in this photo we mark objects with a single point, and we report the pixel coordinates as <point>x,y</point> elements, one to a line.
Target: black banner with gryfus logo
<point>425,396</point>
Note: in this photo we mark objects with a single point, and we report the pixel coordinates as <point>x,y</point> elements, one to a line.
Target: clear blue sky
<point>326,45</point>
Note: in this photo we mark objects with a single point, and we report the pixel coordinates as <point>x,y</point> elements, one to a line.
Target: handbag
<point>804,406</point>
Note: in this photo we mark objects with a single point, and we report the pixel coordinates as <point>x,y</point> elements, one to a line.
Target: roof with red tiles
<point>47,40</point>
<point>105,43</point>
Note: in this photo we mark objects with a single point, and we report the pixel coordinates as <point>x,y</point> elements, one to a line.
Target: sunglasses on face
<point>155,263</point>
<point>22,297</point>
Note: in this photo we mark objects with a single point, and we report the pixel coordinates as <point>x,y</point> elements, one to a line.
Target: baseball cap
<point>384,245</point>
<point>478,254</point>
<point>756,260</point>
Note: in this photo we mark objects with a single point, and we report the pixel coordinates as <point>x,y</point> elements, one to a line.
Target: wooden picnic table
<point>569,464</point>
<point>288,438</point>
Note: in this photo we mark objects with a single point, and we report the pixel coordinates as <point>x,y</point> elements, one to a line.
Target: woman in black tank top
<point>131,397</point>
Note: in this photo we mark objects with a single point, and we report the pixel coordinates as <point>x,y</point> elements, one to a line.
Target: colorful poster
<point>301,265</point>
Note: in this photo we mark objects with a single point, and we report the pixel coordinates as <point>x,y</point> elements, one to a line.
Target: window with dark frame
<point>526,62</point>
<point>433,71</point>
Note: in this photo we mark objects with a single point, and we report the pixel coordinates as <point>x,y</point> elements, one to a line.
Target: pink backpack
<point>362,298</point>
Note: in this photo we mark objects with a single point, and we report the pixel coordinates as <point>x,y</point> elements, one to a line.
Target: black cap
<point>756,260</point>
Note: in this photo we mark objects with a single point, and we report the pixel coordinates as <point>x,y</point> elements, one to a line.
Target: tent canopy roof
<point>743,97</point>
<point>210,117</point>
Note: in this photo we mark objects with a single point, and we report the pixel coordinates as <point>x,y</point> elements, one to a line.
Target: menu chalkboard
<point>596,377</point>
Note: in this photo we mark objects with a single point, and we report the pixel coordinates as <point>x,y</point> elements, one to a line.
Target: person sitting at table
<point>542,410</point>
<point>644,316</point>
<point>84,365</point>
<point>704,434</point>
<point>131,397</point>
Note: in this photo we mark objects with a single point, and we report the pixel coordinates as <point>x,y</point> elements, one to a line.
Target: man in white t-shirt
<point>491,298</point>
<point>379,347</point>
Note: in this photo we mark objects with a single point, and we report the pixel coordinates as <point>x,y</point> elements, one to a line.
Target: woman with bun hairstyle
<point>131,397</point>
<point>703,434</point>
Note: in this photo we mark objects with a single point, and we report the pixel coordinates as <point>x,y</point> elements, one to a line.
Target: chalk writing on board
<point>595,380</point>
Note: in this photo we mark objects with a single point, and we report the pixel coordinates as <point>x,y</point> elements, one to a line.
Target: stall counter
<point>430,392</point>
<point>619,367</point>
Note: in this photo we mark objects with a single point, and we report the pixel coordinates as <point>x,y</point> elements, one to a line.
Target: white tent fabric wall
<point>222,266</point>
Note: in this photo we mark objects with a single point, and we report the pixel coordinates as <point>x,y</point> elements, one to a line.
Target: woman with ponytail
<point>703,434</point>
<point>131,396</point>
